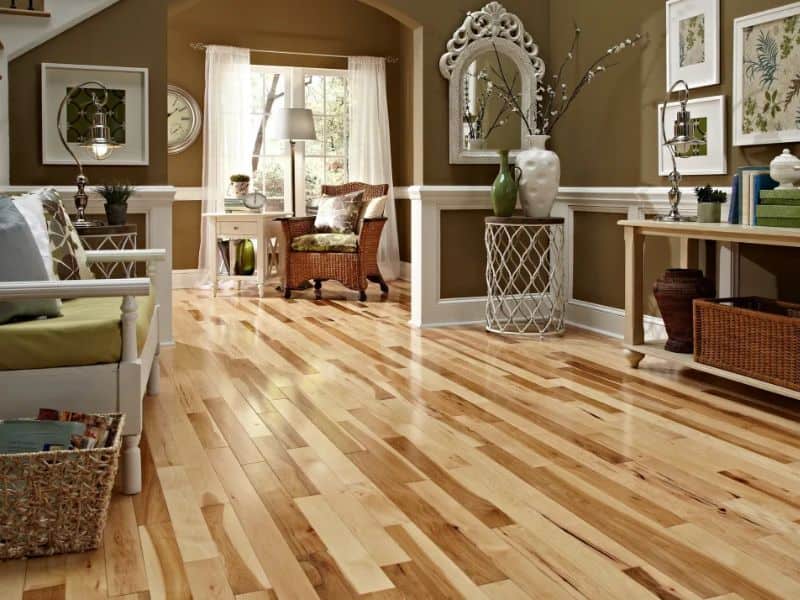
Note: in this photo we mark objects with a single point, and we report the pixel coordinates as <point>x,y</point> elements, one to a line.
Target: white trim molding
<point>155,202</point>
<point>429,309</point>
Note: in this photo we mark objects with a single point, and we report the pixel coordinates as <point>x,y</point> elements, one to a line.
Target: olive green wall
<point>609,138</point>
<point>325,27</point>
<point>131,33</point>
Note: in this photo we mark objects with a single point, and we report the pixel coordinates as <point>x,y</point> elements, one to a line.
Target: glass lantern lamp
<point>681,142</point>
<point>98,142</point>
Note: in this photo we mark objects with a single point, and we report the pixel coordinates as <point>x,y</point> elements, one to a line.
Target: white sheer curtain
<point>227,135</point>
<point>370,146</point>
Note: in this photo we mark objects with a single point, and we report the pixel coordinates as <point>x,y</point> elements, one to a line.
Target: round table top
<point>524,221</point>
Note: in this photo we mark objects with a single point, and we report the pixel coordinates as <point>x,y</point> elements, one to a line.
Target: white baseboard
<point>609,321</point>
<point>183,279</point>
<point>405,271</point>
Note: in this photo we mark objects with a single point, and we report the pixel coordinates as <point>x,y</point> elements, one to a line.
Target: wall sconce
<point>98,143</point>
<point>682,141</point>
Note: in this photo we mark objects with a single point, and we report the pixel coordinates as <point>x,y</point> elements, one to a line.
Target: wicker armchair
<point>353,269</point>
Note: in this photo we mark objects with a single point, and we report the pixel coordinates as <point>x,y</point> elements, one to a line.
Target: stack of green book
<point>779,208</point>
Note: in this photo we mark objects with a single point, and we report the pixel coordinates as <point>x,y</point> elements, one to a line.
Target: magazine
<point>28,435</point>
<point>95,433</point>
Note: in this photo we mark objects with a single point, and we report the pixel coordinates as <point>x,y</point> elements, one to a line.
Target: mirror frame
<point>481,29</point>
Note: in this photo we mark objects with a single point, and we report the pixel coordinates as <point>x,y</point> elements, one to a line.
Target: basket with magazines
<point>56,477</point>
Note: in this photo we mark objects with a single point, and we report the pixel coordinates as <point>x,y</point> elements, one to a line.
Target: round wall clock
<point>184,119</point>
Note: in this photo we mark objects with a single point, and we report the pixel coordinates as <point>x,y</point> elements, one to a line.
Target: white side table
<point>525,276</point>
<point>260,227</point>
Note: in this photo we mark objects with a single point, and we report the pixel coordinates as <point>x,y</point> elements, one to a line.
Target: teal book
<point>761,182</point>
<point>778,211</point>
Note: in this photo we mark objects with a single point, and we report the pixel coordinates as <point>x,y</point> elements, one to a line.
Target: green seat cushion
<point>88,332</point>
<point>326,242</point>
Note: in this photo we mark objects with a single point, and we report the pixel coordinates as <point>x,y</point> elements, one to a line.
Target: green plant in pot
<point>709,204</point>
<point>116,196</point>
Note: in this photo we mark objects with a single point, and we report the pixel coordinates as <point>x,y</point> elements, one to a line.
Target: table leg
<point>261,255</point>
<point>634,305</point>
<point>689,253</point>
<point>213,260</point>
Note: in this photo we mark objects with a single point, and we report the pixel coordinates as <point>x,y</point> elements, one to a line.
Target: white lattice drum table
<point>525,276</point>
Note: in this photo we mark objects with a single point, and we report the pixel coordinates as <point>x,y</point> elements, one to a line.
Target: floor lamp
<point>293,125</point>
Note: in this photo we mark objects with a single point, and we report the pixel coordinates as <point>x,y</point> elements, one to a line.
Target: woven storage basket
<point>756,337</point>
<point>56,502</point>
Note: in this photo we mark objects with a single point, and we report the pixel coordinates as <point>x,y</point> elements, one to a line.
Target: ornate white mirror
<point>494,68</point>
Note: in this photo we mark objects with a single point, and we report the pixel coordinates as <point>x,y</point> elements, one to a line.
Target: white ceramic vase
<point>541,176</point>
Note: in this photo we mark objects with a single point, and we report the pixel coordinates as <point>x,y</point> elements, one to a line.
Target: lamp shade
<point>295,124</point>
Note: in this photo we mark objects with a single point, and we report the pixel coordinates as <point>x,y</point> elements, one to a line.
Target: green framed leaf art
<point>766,77</point>
<point>710,158</point>
<point>693,42</point>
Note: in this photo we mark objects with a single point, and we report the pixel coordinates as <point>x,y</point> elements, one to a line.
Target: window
<point>326,160</point>
<point>323,162</point>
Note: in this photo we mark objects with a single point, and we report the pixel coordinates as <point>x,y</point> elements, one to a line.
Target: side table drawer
<point>237,228</point>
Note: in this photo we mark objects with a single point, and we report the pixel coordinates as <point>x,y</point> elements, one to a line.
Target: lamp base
<point>675,219</point>
<point>78,223</point>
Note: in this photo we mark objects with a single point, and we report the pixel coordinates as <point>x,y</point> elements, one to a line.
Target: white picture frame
<point>757,70</point>
<point>714,161</point>
<point>693,42</point>
<point>134,81</point>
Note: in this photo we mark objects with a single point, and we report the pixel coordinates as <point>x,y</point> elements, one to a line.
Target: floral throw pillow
<point>69,257</point>
<point>339,214</point>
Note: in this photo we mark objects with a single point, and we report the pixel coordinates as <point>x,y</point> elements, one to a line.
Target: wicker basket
<point>56,502</point>
<point>756,337</point>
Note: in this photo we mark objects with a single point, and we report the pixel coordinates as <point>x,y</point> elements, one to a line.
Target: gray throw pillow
<point>20,260</point>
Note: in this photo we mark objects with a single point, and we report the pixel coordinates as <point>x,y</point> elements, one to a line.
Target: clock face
<point>183,120</point>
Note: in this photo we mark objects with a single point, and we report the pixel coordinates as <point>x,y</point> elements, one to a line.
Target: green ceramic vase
<point>246,257</point>
<point>505,188</point>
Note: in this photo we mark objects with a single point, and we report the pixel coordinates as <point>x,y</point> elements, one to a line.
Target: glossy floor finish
<point>303,449</point>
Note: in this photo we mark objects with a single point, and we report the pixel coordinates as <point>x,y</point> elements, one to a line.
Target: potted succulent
<point>116,196</point>
<point>709,204</point>
<point>241,184</point>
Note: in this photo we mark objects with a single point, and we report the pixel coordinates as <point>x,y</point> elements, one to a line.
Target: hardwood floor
<point>302,449</point>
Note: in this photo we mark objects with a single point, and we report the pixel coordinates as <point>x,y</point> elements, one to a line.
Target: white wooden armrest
<point>88,288</point>
<point>103,256</point>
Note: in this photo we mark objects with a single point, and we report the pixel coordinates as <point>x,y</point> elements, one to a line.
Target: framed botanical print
<point>766,77</point>
<point>693,42</point>
<point>127,111</point>
<point>710,158</point>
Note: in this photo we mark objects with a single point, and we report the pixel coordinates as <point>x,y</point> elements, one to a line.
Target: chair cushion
<point>69,257</point>
<point>20,260</point>
<point>326,242</point>
<point>373,209</point>
<point>339,214</point>
<point>87,333</point>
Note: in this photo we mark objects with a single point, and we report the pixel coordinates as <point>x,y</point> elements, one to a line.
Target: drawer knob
<point>236,228</point>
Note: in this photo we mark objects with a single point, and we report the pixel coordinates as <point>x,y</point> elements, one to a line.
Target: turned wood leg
<point>633,357</point>
<point>362,295</point>
<point>287,293</point>
<point>318,288</point>
<point>131,465</point>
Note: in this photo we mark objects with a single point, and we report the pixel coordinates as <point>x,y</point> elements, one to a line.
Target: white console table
<point>689,233</point>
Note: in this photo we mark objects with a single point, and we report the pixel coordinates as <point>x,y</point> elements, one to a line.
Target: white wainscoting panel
<point>429,309</point>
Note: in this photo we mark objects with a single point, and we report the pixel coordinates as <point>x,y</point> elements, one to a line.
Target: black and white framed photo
<point>127,110</point>
<point>693,42</point>
<point>766,77</point>
<point>710,158</point>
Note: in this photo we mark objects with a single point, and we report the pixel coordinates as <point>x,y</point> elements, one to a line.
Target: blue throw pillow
<point>20,260</point>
